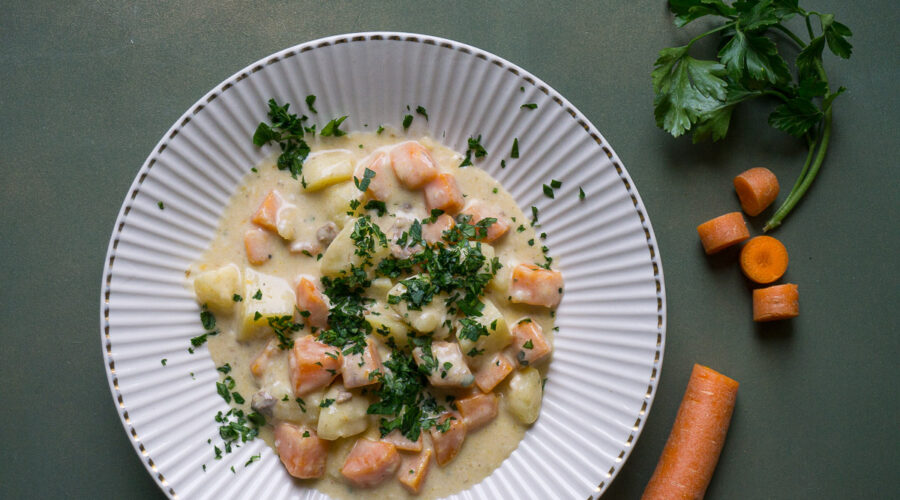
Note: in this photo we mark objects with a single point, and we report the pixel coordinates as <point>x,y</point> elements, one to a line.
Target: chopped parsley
<point>363,184</point>
<point>528,344</point>
<point>407,121</point>
<point>325,403</point>
<point>548,191</point>
<point>475,148</point>
<point>160,205</point>
<point>380,129</point>
<point>226,368</point>
<point>331,129</point>
<point>515,149</point>
<point>253,458</point>
<point>555,184</point>
<point>257,295</point>
<point>310,101</point>
<point>284,326</point>
<point>529,105</point>
<point>287,131</point>
<point>421,110</point>
<point>237,298</point>
<point>163,361</point>
<point>580,193</point>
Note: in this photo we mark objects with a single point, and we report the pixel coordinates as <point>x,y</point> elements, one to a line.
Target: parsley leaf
<point>407,121</point>
<point>420,110</point>
<point>331,128</point>
<point>310,100</point>
<point>529,105</point>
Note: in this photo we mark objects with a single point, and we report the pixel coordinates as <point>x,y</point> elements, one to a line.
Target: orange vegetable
<point>764,259</point>
<point>258,246</point>
<point>493,372</point>
<point>384,183</point>
<point>357,368</point>
<point>266,215</point>
<point>261,362</point>
<point>370,462</point>
<point>447,444</point>
<point>478,410</point>
<point>412,164</point>
<point>692,450</point>
<point>722,232</point>
<point>480,211</point>
<point>301,451</point>
<point>313,365</point>
<point>434,232</point>
<point>310,300</point>
<point>413,470</point>
<point>757,188</point>
<point>776,302</point>
<point>535,285</point>
<point>529,343</point>
<point>396,438</point>
<point>443,193</point>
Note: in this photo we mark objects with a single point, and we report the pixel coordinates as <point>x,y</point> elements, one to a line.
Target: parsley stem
<point>775,93</point>
<point>710,32</point>
<point>799,41</point>
<point>802,186</point>
<point>809,27</point>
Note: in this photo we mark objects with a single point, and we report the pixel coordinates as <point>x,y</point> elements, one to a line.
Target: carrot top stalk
<point>764,259</point>
<point>692,450</point>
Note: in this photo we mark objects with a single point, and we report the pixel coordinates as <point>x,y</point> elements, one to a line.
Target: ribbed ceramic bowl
<point>608,352</point>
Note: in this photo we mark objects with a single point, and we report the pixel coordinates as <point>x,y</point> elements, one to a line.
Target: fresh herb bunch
<point>700,95</point>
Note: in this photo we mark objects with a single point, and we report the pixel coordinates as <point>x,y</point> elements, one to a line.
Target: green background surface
<point>88,88</point>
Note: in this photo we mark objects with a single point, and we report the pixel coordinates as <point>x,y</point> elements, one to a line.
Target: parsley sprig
<point>700,95</point>
<point>287,131</point>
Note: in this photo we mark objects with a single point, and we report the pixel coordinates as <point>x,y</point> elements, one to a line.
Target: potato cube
<point>326,168</point>
<point>494,324</point>
<point>216,288</point>
<point>264,296</point>
<point>344,416</point>
<point>523,396</point>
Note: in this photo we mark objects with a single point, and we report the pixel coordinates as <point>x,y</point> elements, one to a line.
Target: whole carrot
<point>692,450</point>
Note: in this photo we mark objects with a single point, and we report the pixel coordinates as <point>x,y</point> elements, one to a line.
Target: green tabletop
<point>88,88</point>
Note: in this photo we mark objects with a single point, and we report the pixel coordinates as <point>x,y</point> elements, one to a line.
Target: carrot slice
<point>447,444</point>
<point>311,304</point>
<point>313,365</point>
<point>776,302</point>
<point>764,259</point>
<point>261,362</point>
<point>443,193</point>
<point>258,247</point>
<point>529,343</point>
<point>396,438</point>
<point>413,470</point>
<point>266,215</point>
<point>370,462</point>
<point>434,232</point>
<point>413,164</point>
<point>722,232</point>
<point>757,188</point>
<point>692,450</point>
<point>301,451</point>
<point>478,410</point>
<point>493,372</point>
<point>535,285</point>
<point>357,368</point>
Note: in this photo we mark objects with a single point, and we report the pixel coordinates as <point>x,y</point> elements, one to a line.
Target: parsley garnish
<point>164,361</point>
<point>331,128</point>
<point>421,110</point>
<point>407,121</point>
<point>160,205</point>
<point>380,129</point>
<point>363,184</point>
<point>475,148</point>
<point>515,148</point>
<point>555,184</point>
<point>580,193</point>
<point>226,368</point>
<point>528,344</point>
<point>287,131</point>
<point>237,298</point>
<point>258,295</point>
<point>471,330</point>
<point>325,403</point>
<point>207,319</point>
<point>376,205</point>
<point>530,105</point>
<point>548,191</point>
<point>283,326</point>
<point>310,100</point>
<point>253,458</point>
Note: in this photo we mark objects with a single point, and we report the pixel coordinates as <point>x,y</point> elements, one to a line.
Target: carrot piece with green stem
<point>776,302</point>
<point>722,232</point>
<point>757,188</point>
<point>695,443</point>
<point>764,259</point>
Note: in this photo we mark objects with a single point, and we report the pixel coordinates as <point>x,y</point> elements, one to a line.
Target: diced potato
<point>342,419</point>
<point>336,202</point>
<point>448,368</point>
<point>292,410</point>
<point>523,396</point>
<point>277,299</point>
<point>379,288</point>
<point>430,318</point>
<point>341,253</point>
<point>216,288</point>
<point>327,168</point>
<point>386,324</point>
<point>498,335</point>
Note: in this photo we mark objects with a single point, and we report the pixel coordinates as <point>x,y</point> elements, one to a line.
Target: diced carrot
<point>301,451</point>
<point>313,365</point>
<point>412,164</point>
<point>443,193</point>
<point>413,470</point>
<point>434,232</point>
<point>358,367</point>
<point>529,342</point>
<point>493,372</point>
<point>722,232</point>
<point>258,246</point>
<point>261,362</point>
<point>384,183</point>
<point>757,188</point>
<point>266,215</point>
<point>692,450</point>
<point>764,259</point>
<point>370,462</point>
<point>310,300</point>
<point>396,438</point>
<point>478,410</point>
<point>480,211</point>
<point>535,285</point>
<point>447,444</point>
<point>776,302</point>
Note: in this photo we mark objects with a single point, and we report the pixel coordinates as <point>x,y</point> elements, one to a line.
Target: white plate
<point>608,351</point>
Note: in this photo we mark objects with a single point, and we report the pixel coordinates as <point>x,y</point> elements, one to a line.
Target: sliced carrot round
<point>776,302</point>
<point>722,232</point>
<point>757,188</point>
<point>764,259</point>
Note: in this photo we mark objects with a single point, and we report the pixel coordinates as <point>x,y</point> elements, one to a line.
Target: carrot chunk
<point>301,451</point>
<point>529,345</point>
<point>396,438</point>
<point>266,215</point>
<point>311,304</point>
<point>757,188</point>
<point>370,462</point>
<point>535,285</point>
<point>443,193</point>
<point>412,164</point>
<point>447,444</point>
<point>481,211</point>
<point>764,259</point>
<point>413,470</point>
<point>357,368</point>
<point>258,246</point>
<point>493,372</point>
<point>384,183</point>
<point>261,362</point>
<point>722,232</point>
<point>776,302</point>
<point>692,450</point>
<point>478,410</point>
<point>313,365</point>
<point>434,232</point>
